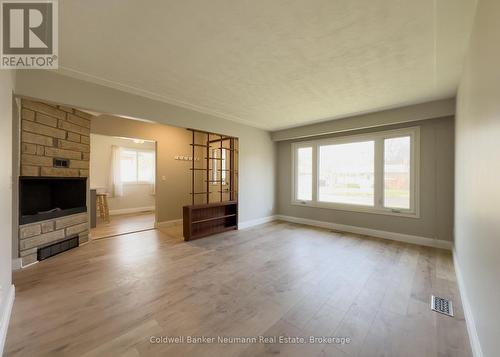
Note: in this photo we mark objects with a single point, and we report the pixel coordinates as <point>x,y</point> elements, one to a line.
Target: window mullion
<point>379,173</point>
<point>137,166</point>
<point>295,170</point>
<point>315,175</point>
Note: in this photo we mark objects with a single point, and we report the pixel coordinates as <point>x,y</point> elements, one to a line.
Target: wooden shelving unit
<point>207,219</point>
<point>214,192</point>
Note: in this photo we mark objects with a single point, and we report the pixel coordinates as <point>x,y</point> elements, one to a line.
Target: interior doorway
<point>122,185</point>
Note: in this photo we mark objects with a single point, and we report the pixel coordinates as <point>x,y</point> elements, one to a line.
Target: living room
<point>296,178</point>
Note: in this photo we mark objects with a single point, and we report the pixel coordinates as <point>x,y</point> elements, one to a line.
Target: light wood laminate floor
<point>122,224</point>
<point>109,297</point>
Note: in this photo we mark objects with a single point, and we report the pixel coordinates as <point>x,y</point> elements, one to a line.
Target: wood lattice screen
<point>214,168</point>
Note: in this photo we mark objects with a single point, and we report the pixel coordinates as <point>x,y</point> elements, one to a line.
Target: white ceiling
<point>270,64</point>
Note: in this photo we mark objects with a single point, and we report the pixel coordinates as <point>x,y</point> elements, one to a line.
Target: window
<point>215,166</point>
<point>346,173</point>
<point>397,161</point>
<point>376,172</point>
<point>137,166</point>
<point>224,167</point>
<point>128,165</point>
<point>304,173</point>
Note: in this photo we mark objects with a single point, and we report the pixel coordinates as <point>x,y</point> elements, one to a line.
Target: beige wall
<point>257,151</point>
<point>411,113</point>
<point>172,192</point>
<point>6,87</point>
<point>135,196</point>
<point>436,187</point>
<point>477,196</point>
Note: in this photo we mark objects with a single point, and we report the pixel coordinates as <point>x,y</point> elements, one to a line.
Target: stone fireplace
<point>54,167</point>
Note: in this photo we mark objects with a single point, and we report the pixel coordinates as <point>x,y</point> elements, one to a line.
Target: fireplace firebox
<point>42,198</point>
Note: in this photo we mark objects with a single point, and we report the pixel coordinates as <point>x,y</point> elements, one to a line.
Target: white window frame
<point>140,182</point>
<point>295,147</point>
<point>378,138</point>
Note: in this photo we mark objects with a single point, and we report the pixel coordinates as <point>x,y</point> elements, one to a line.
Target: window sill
<point>356,208</point>
<point>137,183</point>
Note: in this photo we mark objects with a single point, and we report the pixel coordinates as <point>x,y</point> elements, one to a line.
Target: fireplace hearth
<point>43,198</point>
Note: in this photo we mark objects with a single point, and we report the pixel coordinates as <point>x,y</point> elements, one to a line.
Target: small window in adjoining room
<point>128,165</point>
<point>224,168</point>
<point>219,167</point>
<point>137,166</point>
<point>375,173</point>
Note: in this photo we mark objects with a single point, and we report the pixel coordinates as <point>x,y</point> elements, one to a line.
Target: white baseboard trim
<point>469,318</point>
<point>242,225</point>
<point>407,238</point>
<point>256,222</point>
<point>131,210</point>
<point>30,264</point>
<point>166,224</point>
<point>17,263</point>
<point>5,318</point>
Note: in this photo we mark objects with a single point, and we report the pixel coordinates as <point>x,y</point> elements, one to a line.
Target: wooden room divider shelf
<point>213,218</point>
<point>208,219</point>
<point>219,211</point>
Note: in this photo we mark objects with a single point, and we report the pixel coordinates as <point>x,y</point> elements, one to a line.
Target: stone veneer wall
<point>48,132</point>
<point>35,235</point>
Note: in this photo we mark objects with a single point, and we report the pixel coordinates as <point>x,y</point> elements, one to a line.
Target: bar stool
<point>102,206</point>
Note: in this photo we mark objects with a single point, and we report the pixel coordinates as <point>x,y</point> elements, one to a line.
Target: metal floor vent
<point>443,306</point>
<point>56,248</point>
